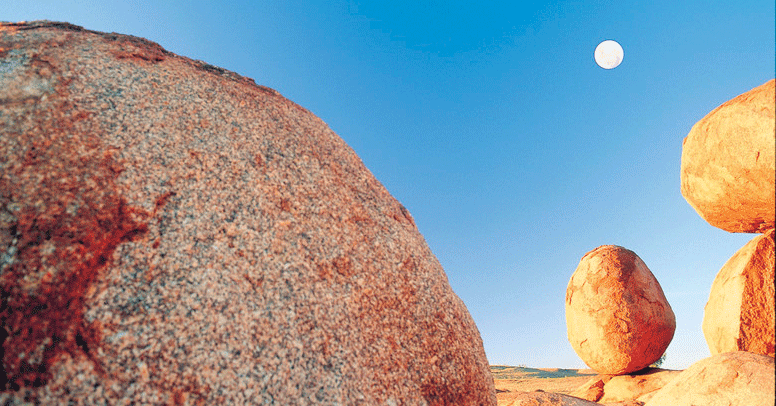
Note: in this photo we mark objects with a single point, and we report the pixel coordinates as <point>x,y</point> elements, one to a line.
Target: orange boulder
<point>739,315</point>
<point>729,163</point>
<point>730,379</point>
<point>617,317</point>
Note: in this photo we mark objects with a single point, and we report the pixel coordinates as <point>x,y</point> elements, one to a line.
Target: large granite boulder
<point>618,319</point>
<point>728,379</point>
<point>729,163</point>
<point>739,315</point>
<point>172,233</point>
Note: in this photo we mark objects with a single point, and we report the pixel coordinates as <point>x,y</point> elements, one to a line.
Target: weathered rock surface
<point>739,315</point>
<point>172,233</point>
<point>617,317</point>
<point>638,386</point>
<point>728,379</point>
<point>548,399</point>
<point>728,163</point>
<point>593,389</point>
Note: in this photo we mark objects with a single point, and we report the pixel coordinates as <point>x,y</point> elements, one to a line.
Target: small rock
<point>739,315</point>
<point>617,317</point>
<point>728,379</point>
<point>729,164</point>
<point>593,389</point>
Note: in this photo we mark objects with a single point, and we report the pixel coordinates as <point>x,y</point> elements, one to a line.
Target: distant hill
<point>510,372</point>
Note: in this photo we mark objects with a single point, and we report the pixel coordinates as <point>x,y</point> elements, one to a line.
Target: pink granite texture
<point>172,233</point>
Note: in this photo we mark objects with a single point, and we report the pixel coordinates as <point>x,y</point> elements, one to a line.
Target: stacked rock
<point>727,175</point>
<point>617,317</point>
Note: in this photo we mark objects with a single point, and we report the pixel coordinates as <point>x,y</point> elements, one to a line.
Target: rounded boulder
<point>728,379</point>
<point>739,315</point>
<point>729,163</point>
<point>617,316</point>
<point>174,233</point>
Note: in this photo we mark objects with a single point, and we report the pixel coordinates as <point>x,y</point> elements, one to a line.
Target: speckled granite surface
<point>172,233</point>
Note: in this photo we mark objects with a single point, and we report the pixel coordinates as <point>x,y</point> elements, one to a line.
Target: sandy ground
<point>512,380</point>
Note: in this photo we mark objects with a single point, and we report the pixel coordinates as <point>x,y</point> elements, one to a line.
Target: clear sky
<point>490,121</point>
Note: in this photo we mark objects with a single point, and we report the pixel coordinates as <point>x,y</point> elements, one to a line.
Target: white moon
<point>608,54</point>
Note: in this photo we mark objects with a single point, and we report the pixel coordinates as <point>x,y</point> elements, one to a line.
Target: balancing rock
<point>728,166</point>
<point>172,233</point>
<point>617,317</point>
<point>739,315</point>
<point>728,379</point>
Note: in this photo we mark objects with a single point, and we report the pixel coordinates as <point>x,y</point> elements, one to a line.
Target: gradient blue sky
<point>490,121</point>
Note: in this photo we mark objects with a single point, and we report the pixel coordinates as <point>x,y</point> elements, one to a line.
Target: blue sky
<point>490,121</point>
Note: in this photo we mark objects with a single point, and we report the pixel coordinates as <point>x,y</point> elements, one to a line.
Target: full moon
<point>608,54</point>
